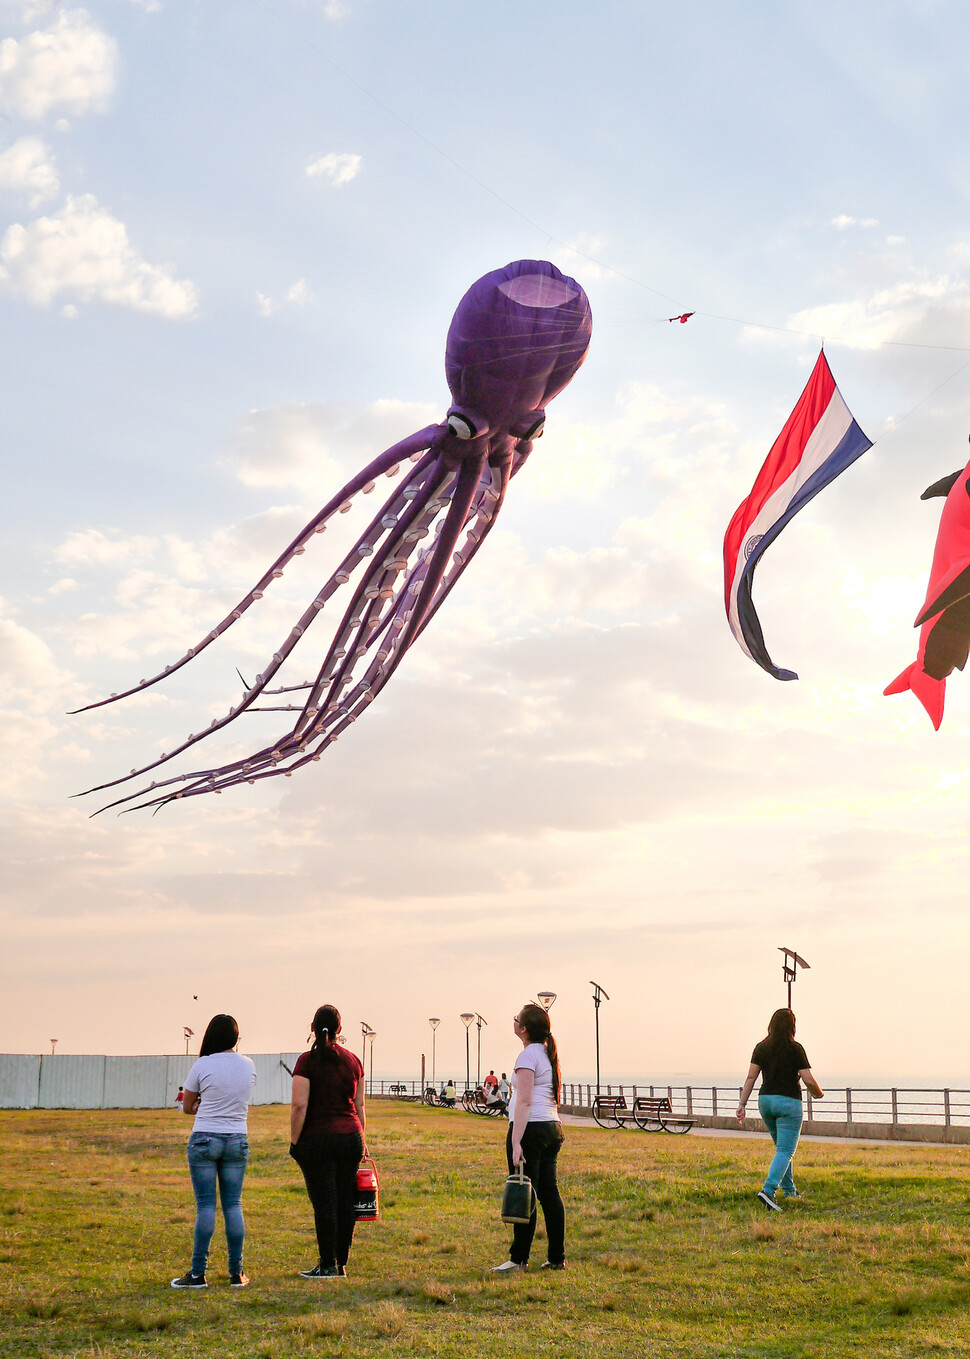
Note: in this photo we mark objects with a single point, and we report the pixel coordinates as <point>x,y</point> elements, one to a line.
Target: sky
<point>231,242</point>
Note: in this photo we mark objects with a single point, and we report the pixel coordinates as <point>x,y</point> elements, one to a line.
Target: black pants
<point>540,1147</point>
<point>329,1163</point>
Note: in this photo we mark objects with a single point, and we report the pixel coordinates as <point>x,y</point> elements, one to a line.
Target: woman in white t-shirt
<point>535,1136</point>
<point>217,1091</point>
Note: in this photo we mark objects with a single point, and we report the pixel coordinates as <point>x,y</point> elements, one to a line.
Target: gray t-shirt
<point>224,1082</point>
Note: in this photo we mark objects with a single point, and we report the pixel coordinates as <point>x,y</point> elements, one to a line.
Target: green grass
<point>667,1253</point>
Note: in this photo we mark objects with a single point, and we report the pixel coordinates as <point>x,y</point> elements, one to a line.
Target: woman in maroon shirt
<point>327,1123</point>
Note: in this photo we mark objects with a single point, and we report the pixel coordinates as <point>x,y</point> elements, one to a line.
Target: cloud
<point>84,252</point>
<point>27,167</point>
<point>297,295</point>
<point>915,309</point>
<point>843,222</point>
<point>317,446</point>
<point>337,168</point>
<point>69,66</point>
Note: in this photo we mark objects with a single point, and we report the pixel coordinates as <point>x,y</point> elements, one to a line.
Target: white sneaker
<point>769,1202</point>
<point>510,1267</point>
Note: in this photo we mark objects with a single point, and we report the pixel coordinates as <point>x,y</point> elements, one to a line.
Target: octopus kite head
<point>517,339</point>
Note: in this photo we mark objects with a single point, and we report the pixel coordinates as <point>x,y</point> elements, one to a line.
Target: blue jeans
<point>218,1158</point>
<point>782,1116</point>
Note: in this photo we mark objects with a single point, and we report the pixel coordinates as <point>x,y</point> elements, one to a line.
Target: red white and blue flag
<point>820,440</point>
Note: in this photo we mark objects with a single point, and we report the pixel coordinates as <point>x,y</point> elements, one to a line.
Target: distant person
<point>217,1091</point>
<point>179,1098</point>
<point>449,1094</point>
<point>327,1123</point>
<point>493,1100</point>
<point>535,1137</point>
<point>490,1082</point>
<point>504,1088</point>
<point>784,1068</point>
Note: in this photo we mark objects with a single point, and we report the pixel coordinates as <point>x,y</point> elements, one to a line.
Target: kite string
<point>573,249</point>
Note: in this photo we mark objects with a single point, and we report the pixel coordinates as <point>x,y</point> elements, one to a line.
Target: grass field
<point>668,1254</point>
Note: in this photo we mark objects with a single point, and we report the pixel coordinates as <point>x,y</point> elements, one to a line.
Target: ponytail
<point>535,1020</point>
<point>326,1026</point>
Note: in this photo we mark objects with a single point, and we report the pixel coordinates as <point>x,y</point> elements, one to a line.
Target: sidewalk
<point>574,1121</point>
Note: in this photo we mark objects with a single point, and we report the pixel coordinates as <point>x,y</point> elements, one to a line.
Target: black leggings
<point>329,1163</point>
<point>540,1147</point>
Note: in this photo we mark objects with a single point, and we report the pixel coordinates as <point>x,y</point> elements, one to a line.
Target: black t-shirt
<point>780,1068</point>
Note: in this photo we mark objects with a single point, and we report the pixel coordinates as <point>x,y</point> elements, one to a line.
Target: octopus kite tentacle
<point>518,337</point>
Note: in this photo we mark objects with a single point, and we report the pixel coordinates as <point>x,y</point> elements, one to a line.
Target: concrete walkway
<point>574,1121</point>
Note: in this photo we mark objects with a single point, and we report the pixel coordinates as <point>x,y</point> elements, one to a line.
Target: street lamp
<point>547,1000</point>
<point>434,1027</point>
<point>598,995</point>
<point>364,1031</point>
<point>466,1019</point>
<point>789,968</point>
<point>187,1034</point>
<point>53,1043</point>
<point>479,1022</point>
<point>370,1035</point>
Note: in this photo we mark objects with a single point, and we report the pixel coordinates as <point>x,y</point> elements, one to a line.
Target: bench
<point>651,1113</point>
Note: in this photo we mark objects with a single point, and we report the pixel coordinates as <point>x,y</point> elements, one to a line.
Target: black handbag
<point>518,1197</point>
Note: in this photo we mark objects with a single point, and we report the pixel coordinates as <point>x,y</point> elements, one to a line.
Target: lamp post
<point>53,1043</point>
<point>479,1021</point>
<point>466,1019</point>
<point>789,968</point>
<point>187,1034</point>
<point>364,1031</point>
<point>598,995</point>
<point>434,1029</point>
<point>547,1000</point>
<point>370,1035</point>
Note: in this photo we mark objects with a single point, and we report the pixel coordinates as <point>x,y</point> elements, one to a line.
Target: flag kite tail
<point>820,440</point>
<point>930,692</point>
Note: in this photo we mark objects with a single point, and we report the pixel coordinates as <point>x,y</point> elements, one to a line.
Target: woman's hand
<point>517,1157</point>
<point>741,1112</point>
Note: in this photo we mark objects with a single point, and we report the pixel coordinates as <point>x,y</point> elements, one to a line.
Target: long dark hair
<point>535,1021</point>
<point>222,1035</point>
<point>781,1030</point>
<point>325,1026</point>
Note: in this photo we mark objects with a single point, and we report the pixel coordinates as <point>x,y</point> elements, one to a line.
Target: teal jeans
<point>782,1116</point>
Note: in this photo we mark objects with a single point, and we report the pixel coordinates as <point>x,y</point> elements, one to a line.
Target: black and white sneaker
<point>553,1264</point>
<point>323,1272</point>
<point>239,1280</point>
<point>769,1202</point>
<point>509,1267</point>
<point>190,1280</point>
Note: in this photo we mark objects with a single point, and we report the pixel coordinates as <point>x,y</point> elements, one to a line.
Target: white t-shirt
<point>224,1081</point>
<point>544,1108</point>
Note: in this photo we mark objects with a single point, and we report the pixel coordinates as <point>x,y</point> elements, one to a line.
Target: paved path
<point>575,1121</point>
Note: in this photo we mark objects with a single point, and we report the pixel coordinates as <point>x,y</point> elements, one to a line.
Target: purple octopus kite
<point>518,337</point>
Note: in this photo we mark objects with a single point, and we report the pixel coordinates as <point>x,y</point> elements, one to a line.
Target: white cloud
<point>915,309</point>
<point>69,66</point>
<point>578,258</point>
<point>843,222</point>
<point>299,294</point>
<point>336,167</point>
<point>27,167</point>
<point>265,304</point>
<point>84,251</point>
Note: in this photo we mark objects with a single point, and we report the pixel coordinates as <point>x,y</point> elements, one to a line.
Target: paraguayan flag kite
<point>820,440</point>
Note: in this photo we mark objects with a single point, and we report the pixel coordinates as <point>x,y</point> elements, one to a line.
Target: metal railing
<point>939,1106</point>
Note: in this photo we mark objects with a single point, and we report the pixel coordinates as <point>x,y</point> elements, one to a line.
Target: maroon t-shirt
<point>333,1085</point>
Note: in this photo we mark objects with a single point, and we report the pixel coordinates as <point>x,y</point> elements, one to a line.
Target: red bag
<point>366,1205</point>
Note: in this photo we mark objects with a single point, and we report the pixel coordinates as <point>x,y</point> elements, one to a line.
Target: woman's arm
<point>299,1100</point>
<point>525,1084</point>
<point>191,1099</point>
<point>361,1110</point>
<point>811,1084</point>
<point>754,1071</point>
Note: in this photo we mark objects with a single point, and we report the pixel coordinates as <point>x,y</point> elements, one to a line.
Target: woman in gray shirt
<point>217,1092</point>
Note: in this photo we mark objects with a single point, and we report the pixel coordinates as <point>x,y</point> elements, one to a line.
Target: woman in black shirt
<point>784,1068</point>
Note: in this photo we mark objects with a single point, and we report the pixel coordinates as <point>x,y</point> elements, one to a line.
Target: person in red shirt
<point>327,1122</point>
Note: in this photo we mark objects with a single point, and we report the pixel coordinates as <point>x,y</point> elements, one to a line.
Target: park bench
<point>649,1112</point>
